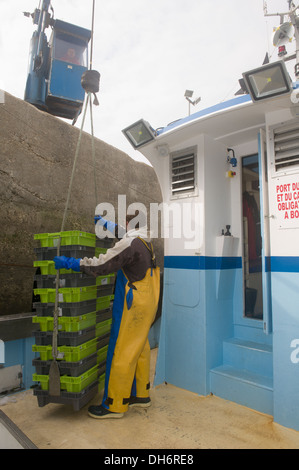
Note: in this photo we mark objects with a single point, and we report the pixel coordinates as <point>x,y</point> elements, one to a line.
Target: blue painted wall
<point>204,307</point>
<point>197,316</point>
<point>19,352</point>
<point>285,310</point>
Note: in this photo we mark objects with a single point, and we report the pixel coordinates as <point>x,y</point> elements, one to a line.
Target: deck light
<point>268,81</point>
<point>139,133</point>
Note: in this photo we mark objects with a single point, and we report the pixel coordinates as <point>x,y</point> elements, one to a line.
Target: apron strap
<point>151,250</point>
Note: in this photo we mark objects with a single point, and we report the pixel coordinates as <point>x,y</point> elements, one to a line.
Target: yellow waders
<point>131,356</point>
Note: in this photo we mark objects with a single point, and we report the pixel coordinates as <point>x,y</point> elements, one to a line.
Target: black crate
<point>76,400</point>
<point>65,338</point>
<point>43,309</point>
<point>65,280</point>
<point>107,289</point>
<point>103,315</point>
<point>71,251</point>
<point>105,242</point>
<point>66,309</point>
<point>103,341</point>
<point>73,369</point>
<point>74,309</point>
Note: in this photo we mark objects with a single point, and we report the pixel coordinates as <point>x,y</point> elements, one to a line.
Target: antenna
<point>265,8</point>
<point>285,32</point>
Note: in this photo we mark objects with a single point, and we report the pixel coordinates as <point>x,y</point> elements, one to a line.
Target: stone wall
<point>37,151</point>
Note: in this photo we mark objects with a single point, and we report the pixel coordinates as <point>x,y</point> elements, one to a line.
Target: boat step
<point>241,386</point>
<point>248,355</point>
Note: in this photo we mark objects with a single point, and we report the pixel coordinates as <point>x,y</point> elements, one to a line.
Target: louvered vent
<point>286,148</point>
<point>183,173</point>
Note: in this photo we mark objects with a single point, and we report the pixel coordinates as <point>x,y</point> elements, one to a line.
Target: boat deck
<point>177,419</point>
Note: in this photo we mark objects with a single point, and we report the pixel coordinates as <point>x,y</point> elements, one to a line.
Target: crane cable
<point>90,83</point>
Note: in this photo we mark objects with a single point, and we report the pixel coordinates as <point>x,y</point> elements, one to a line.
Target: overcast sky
<point>149,52</point>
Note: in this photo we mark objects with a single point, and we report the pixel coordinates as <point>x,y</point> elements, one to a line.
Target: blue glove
<point>63,262</point>
<point>111,226</point>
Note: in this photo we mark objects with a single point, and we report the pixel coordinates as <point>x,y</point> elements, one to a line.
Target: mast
<point>294,20</point>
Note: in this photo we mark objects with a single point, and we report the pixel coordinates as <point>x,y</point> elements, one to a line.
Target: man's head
<point>135,221</point>
<point>71,53</point>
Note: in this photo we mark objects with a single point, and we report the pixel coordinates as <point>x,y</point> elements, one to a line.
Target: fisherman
<point>134,308</point>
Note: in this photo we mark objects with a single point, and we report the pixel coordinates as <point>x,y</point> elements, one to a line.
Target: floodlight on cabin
<point>268,81</point>
<point>139,133</point>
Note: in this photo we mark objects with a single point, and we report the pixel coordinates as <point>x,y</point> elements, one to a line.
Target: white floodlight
<point>139,133</point>
<point>268,81</point>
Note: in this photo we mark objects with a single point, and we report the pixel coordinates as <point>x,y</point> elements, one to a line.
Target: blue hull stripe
<point>284,264</point>
<point>202,262</point>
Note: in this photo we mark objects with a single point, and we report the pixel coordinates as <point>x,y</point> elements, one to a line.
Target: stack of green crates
<point>84,321</point>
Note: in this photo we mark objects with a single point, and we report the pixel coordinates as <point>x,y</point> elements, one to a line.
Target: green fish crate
<point>70,384</point>
<point>101,382</point>
<point>46,295</point>
<point>47,268</point>
<point>67,324</point>
<point>76,353</point>
<point>74,237</point>
<point>75,324</point>
<point>104,302</point>
<point>109,279</point>
<point>77,384</point>
<point>103,328</point>
<point>67,353</point>
<point>67,294</point>
<point>102,354</point>
<point>77,294</point>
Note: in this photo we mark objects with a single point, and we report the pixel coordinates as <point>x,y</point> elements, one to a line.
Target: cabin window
<point>286,148</point>
<point>182,172</point>
<point>71,51</point>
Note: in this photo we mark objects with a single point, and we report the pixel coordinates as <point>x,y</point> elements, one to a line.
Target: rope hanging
<point>90,82</point>
<point>90,79</point>
<point>56,314</point>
